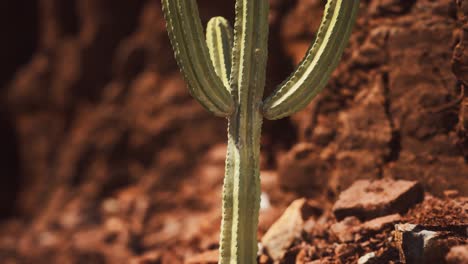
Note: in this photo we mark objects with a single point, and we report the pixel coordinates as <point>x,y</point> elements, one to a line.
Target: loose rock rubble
<point>346,229</point>
<point>383,239</point>
<point>436,214</point>
<point>287,228</point>
<point>351,229</point>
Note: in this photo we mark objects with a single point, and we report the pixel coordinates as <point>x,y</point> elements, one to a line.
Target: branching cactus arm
<point>219,38</point>
<point>187,38</point>
<point>313,72</point>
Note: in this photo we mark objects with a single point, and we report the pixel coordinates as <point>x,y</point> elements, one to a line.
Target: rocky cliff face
<point>100,141</point>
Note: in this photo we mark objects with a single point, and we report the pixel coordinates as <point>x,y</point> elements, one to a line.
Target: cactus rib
<point>187,38</point>
<point>321,59</point>
<point>219,38</point>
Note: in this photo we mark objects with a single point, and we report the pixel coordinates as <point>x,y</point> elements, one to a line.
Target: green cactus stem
<point>226,74</point>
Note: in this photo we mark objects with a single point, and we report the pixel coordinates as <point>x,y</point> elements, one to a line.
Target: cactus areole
<point>225,71</point>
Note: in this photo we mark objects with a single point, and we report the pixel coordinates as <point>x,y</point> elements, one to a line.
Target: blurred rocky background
<point>105,158</point>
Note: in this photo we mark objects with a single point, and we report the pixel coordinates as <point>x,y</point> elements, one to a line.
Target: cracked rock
<point>367,199</point>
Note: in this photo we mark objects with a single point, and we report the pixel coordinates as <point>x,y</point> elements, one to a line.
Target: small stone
<point>152,257</point>
<point>344,251</point>
<point>457,255</point>
<point>368,258</point>
<point>380,223</point>
<point>418,245</point>
<point>451,193</point>
<point>208,257</point>
<point>264,202</point>
<point>345,230</point>
<point>367,199</point>
<point>351,229</point>
<point>301,257</point>
<point>263,259</point>
<point>289,226</point>
<point>110,206</point>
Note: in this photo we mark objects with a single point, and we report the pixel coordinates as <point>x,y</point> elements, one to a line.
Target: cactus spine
<point>226,74</point>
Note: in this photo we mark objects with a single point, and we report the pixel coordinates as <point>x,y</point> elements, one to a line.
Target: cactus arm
<point>187,38</point>
<point>241,190</point>
<point>219,37</point>
<point>321,59</point>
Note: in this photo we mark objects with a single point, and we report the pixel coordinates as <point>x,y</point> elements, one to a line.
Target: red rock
<point>457,255</point>
<point>303,169</point>
<point>380,222</point>
<point>346,229</point>
<point>301,256</point>
<point>369,199</point>
<point>344,251</point>
<point>451,193</point>
<point>152,257</point>
<point>351,229</point>
<point>208,257</point>
<point>289,226</point>
<point>263,259</point>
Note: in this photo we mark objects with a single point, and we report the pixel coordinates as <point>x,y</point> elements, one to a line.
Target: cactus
<point>225,72</point>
